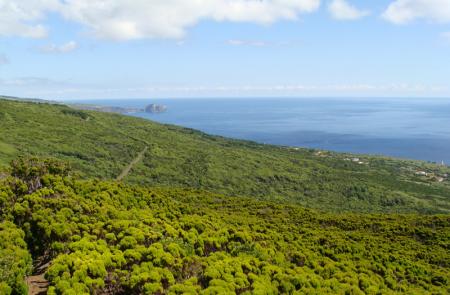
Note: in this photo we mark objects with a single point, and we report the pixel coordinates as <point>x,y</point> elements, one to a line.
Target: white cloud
<point>125,19</point>
<point>405,11</point>
<point>260,43</point>
<point>21,18</point>
<point>342,10</point>
<point>53,89</point>
<point>64,48</point>
<point>254,43</point>
<point>30,81</point>
<point>137,19</point>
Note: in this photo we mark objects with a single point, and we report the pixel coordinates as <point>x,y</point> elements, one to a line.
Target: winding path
<point>130,166</point>
<point>37,284</point>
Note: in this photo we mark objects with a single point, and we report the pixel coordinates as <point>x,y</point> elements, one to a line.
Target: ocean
<point>406,128</point>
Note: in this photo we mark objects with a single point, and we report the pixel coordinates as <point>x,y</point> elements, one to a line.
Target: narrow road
<point>130,166</point>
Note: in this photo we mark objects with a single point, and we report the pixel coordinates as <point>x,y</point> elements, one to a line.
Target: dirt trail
<point>130,166</point>
<point>37,284</point>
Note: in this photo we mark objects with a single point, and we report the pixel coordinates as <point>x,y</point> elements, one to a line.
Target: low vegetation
<point>115,238</point>
<point>101,145</point>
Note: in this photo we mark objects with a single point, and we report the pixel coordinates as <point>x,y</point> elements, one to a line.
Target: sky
<point>96,49</point>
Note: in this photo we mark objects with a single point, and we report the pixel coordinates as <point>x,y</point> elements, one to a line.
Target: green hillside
<point>101,145</point>
<point>104,237</point>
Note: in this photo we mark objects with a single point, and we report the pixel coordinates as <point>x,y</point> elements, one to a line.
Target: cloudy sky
<point>70,49</point>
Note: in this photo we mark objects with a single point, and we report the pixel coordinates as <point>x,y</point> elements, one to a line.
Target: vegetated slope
<point>104,237</point>
<point>102,145</point>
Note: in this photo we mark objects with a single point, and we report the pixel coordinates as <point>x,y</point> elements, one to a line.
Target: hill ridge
<point>101,145</point>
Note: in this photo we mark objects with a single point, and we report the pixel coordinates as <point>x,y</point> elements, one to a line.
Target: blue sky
<point>224,48</point>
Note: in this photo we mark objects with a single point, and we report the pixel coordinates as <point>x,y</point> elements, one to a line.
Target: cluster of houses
<point>356,160</point>
<point>429,175</point>
<point>321,154</point>
<point>433,176</point>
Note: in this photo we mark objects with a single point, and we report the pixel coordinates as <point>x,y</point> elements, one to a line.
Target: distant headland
<point>151,108</point>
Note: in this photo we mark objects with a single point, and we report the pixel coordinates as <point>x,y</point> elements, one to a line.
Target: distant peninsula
<point>151,108</point>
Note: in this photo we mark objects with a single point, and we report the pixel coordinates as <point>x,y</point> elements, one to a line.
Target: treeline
<point>108,237</point>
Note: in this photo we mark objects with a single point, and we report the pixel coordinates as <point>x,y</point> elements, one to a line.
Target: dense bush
<point>15,261</point>
<point>101,145</point>
<point>160,232</point>
<point>108,237</point>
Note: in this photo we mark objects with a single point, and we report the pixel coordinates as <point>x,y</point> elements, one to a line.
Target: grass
<point>101,145</point>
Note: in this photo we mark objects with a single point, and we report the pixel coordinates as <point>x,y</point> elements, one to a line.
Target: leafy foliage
<point>15,261</point>
<point>109,237</point>
<point>100,145</point>
<point>181,224</point>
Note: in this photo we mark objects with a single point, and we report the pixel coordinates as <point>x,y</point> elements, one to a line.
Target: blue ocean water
<point>407,128</point>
